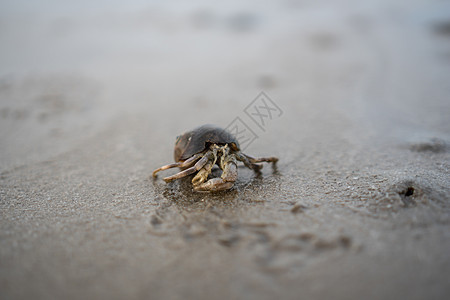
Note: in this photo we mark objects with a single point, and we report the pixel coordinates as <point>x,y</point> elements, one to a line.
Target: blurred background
<point>67,67</point>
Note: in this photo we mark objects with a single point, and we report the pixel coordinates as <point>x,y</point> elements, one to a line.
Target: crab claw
<point>214,185</point>
<point>225,182</point>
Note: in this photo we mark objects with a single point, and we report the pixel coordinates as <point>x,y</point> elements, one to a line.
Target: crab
<point>200,149</point>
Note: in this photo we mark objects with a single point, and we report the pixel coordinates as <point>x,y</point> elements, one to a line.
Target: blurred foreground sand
<point>92,98</point>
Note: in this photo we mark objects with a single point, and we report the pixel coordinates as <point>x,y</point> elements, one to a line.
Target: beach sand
<point>93,97</point>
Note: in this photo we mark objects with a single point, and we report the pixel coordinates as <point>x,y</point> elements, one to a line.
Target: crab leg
<point>229,175</point>
<point>204,172</point>
<point>242,157</point>
<point>193,169</point>
<point>261,159</point>
<point>183,164</point>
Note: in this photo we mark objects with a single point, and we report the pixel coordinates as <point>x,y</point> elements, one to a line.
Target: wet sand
<point>358,206</point>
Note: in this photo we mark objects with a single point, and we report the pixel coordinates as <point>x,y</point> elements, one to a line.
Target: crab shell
<point>198,140</point>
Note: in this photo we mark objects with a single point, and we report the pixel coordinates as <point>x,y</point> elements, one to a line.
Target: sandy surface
<point>92,98</point>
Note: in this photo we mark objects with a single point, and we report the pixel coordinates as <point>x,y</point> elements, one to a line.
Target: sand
<point>93,97</point>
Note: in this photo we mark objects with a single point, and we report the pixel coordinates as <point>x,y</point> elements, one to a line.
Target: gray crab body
<point>199,139</point>
<point>200,149</point>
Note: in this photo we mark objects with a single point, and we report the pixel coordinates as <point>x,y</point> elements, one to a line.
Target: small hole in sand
<point>409,191</point>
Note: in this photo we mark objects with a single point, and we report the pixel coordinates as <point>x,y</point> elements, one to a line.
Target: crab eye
<point>177,139</point>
